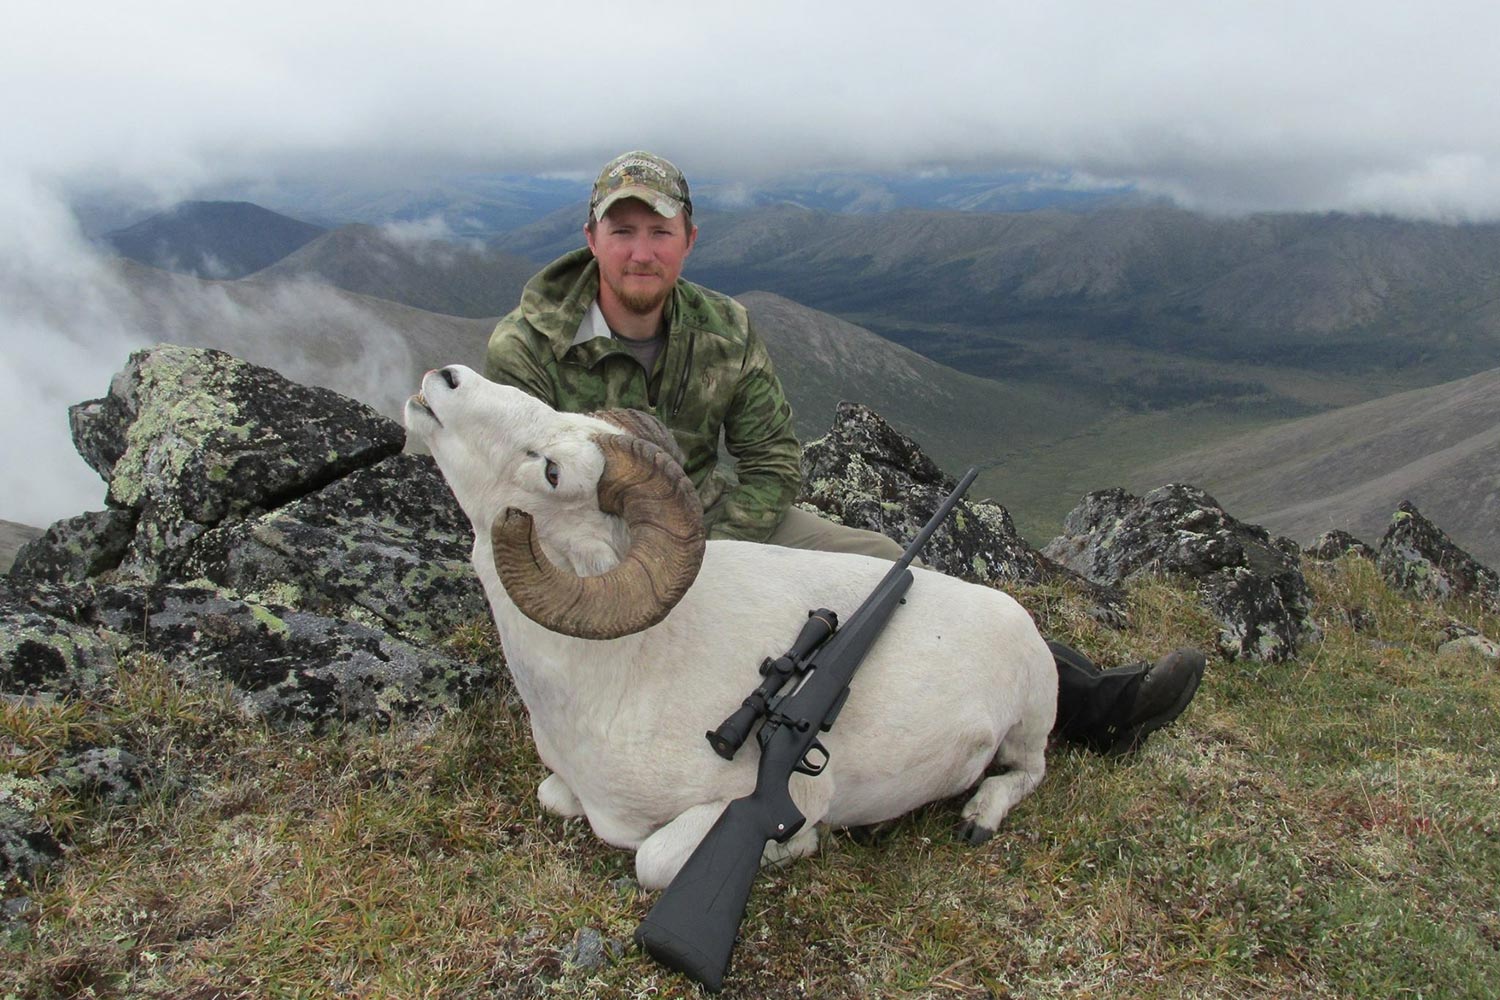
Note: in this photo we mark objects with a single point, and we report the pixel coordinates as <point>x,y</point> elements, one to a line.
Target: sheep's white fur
<point>959,678</point>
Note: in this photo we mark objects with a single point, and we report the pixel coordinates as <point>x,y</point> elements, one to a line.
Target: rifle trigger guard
<point>810,765</point>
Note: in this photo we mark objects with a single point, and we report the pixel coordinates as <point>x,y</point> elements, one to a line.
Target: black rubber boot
<point>1113,711</point>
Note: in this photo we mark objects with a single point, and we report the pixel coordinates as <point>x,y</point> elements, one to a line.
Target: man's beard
<point>642,303</point>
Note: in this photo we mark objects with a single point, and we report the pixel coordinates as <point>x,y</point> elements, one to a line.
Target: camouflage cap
<point>642,175</point>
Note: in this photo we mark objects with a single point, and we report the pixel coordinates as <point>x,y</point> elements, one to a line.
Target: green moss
<point>269,621</point>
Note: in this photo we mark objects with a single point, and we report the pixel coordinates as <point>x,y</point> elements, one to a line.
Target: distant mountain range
<point>482,205</point>
<point>996,294</point>
<point>457,278</point>
<point>212,239</point>
<point>1032,295</point>
<point>1063,352</point>
<point>1438,447</point>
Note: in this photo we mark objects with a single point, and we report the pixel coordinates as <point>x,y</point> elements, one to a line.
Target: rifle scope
<point>732,733</point>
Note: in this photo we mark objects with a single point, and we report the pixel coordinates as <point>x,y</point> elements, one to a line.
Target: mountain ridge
<point>212,239</point>
<point>433,274</point>
<point>1438,447</point>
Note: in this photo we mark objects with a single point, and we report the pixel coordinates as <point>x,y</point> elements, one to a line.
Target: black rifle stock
<point>693,925</point>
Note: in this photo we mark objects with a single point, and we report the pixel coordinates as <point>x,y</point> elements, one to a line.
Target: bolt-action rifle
<point>692,927</point>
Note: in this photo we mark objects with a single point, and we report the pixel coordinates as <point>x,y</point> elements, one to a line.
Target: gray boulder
<point>188,438</point>
<point>1463,645</point>
<point>1417,557</point>
<point>298,670</point>
<point>1251,583</point>
<point>1336,544</point>
<point>866,474</point>
<point>386,544</point>
<point>109,776</point>
<point>27,845</point>
<point>44,650</point>
<point>75,549</point>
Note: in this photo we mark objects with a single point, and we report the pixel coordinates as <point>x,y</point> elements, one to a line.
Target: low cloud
<point>1232,107</point>
<point>73,316</point>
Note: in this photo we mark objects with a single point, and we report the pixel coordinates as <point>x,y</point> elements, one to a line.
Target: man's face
<point>640,254</point>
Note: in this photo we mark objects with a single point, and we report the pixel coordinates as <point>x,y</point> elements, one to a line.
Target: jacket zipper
<point>687,371</point>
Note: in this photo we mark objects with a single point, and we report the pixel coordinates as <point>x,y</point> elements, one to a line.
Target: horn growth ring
<point>656,500</point>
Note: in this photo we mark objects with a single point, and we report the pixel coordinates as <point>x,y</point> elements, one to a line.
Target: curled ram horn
<point>646,488</point>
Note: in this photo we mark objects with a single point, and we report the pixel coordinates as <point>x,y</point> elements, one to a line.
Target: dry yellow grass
<point>1325,827</point>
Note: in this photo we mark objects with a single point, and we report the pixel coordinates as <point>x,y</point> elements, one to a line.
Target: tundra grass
<point>1324,827</point>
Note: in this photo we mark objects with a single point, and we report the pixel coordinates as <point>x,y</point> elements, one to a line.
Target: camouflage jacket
<point>713,373</point>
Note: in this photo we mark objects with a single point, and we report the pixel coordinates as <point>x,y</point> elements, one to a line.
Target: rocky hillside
<point>1437,447</point>
<point>823,360</point>
<point>273,537</point>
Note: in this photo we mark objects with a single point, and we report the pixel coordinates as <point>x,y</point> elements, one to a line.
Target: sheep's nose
<point>450,377</point>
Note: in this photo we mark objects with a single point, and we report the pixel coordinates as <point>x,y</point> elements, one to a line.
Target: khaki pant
<point>801,530</point>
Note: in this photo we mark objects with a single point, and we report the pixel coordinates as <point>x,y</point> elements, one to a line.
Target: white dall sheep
<point>625,649</point>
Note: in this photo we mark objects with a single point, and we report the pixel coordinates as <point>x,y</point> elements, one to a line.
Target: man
<point>615,325</point>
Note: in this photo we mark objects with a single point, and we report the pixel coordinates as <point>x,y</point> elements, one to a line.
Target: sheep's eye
<point>551,473</point>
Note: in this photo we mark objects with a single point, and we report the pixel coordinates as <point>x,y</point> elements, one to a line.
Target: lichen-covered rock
<point>26,843</point>
<point>104,775</point>
<point>190,437</point>
<point>388,541</point>
<point>1336,544</point>
<point>45,654</point>
<point>1485,647</point>
<point>866,474</point>
<point>77,548</point>
<point>298,670</point>
<point>1417,557</point>
<point>1251,583</point>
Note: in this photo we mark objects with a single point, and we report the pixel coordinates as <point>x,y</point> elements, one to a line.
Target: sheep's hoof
<point>974,834</point>
<point>873,834</point>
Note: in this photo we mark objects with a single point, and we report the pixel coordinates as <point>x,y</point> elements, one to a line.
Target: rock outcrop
<point>1417,557</point>
<point>1336,544</point>
<point>270,538</point>
<point>1250,582</point>
<point>187,439</point>
<point>259,534</point>
<point>866,474</point>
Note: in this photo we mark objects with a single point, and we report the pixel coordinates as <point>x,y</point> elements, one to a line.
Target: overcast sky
<point>1379,105</point>
<point>1355,106</point>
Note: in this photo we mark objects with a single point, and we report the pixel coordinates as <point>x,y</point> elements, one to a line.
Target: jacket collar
<point>593,326</point>
<point>556,301</point>
<point>559,300</point>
